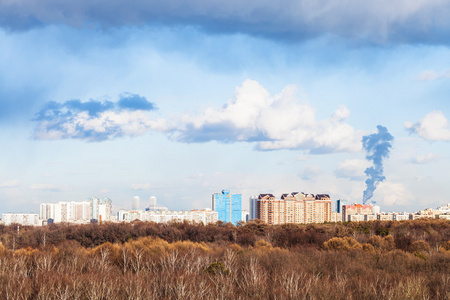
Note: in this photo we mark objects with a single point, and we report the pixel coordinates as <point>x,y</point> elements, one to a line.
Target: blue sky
<point>181,99</point>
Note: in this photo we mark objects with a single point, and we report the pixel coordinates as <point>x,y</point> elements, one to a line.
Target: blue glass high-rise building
<point>228,206</point>
<point>339,204</point>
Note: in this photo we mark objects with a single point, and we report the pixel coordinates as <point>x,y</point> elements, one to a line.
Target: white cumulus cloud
<point>392,193</point>
<point>95,120</point>
<point>106,125</point>
<point>433,127</point>
<point>352,169</point>
<point>273,122</point>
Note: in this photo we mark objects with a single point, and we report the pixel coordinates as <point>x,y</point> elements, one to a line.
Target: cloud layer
<point>9,184</point>
<point>141,186</point>
<point>252,115</point>
<point>433,127</point>
<point>429,75</point>
<point>422,21</point>
<point>394,193</point>
<point>94,120</point>
<point>425,159</point>
<point>48,187</point>
<point>273,122</point>
<point>352,169</point>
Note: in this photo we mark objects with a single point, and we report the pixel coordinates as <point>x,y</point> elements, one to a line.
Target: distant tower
<point>252,205</point>
<point>152,206</point>
<point>94,203</point>
<point>135,204</point>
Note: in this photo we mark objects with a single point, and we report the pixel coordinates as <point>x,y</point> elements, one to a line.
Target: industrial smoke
<point>377,148</point>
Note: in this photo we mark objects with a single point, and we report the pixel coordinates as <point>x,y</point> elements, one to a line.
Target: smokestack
<point>377,148</point>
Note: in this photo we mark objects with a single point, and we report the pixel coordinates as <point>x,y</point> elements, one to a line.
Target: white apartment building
<point>444,216</point>
<point>100,208</point>
<point>205,216</point>
<point>336,217</point>
<point>355,218</point>
<point>371,217</point>
<point>22,219</point>
<point>401,217</point>
<point>66,211</point>
<point>444,209</point>
<point>78,212</point>
<point>245,216</point>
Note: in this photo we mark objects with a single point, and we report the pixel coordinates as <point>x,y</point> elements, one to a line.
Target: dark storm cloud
<point>378,22</point>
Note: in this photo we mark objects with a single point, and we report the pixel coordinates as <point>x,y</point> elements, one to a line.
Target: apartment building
<point>355,209</point>
<point>77,211</point>
<point>297,208</point>
<point>21,219</point>
<point>228,206</point>
<point>204,216</point>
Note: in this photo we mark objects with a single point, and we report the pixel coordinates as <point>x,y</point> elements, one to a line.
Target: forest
<point>142,260</point>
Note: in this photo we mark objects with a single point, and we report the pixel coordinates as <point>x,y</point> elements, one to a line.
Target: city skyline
<point>247,205</point>
<point>179,101</point>
<point>289,208</point>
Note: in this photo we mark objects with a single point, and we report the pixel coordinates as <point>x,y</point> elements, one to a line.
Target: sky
<point>181,99</point>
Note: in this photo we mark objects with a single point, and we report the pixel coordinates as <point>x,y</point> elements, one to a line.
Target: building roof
<point>265,196</point>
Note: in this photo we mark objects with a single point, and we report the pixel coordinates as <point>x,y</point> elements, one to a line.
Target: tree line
<point>141,260</point>
<point>404,233</point>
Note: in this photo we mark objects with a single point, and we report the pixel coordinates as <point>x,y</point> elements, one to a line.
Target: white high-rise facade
<point>205,216</point>
<point>94,203</point>
<point>104,210</point>
<point>21,219</point>
<point>135,204</point>
<point>66,211</point>
<point>82,211</point>
<point>152,201</point>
